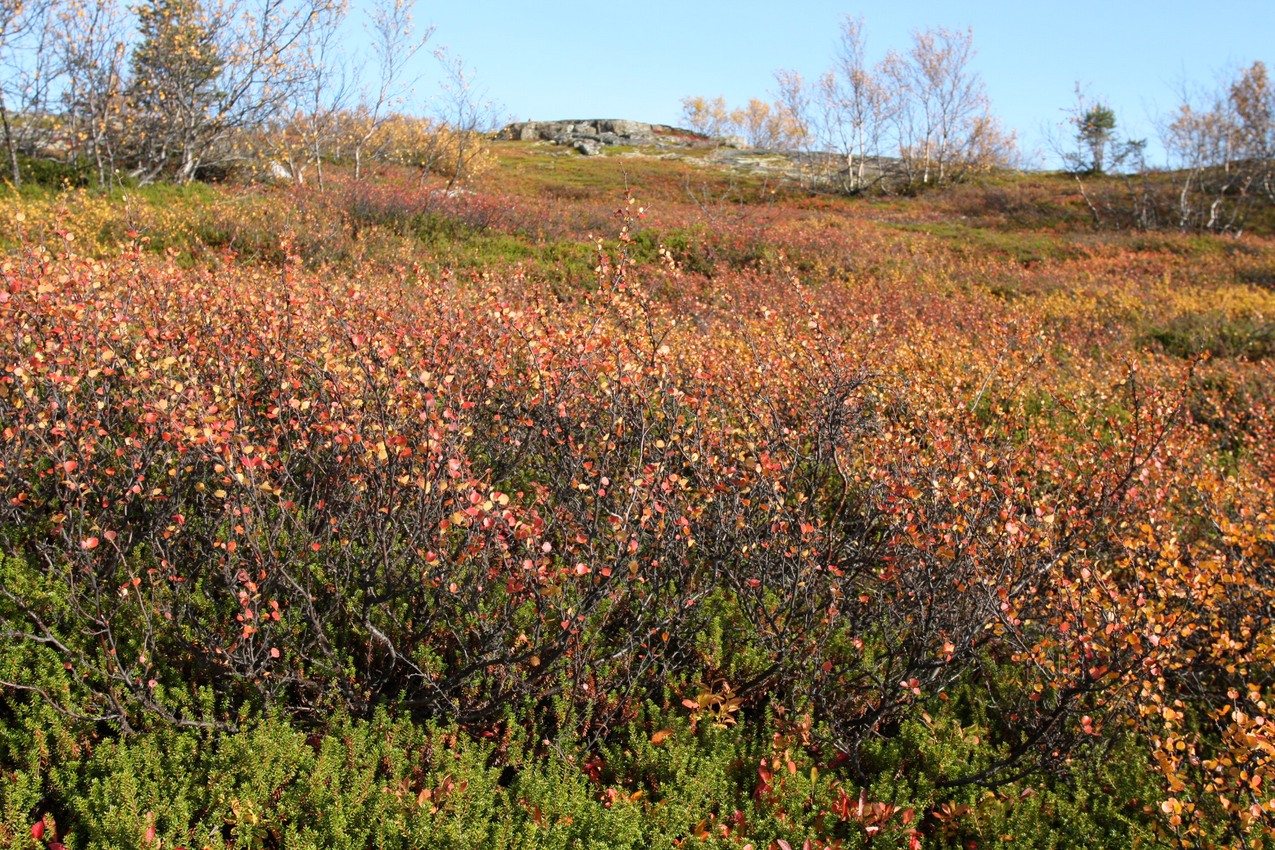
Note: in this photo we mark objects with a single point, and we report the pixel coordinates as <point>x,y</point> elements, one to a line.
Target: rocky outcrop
<point>588,136</point>
<point>733,153</point>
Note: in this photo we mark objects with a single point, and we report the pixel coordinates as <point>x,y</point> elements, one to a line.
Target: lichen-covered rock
<point>601,131</point>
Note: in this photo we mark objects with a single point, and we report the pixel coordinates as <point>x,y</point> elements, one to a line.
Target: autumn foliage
<point>942,527</point>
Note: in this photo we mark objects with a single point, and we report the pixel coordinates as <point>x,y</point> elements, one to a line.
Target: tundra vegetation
<point>372,513</point>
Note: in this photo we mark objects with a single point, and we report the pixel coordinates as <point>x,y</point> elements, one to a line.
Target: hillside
<point>632,499</point>
<point>593,137</point>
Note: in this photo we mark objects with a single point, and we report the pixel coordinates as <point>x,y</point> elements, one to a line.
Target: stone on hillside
<point>277,172</point>
<point>606,131</point>
<point>588,147</point>
<point>633,129</point>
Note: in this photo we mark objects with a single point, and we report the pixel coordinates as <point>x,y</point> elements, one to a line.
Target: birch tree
<point>1252,97</point>
<point>174,69</point>
<point>396,41</point>
<point>464,116</point>
<point>707,117</point>
<point>91,51</point>
<point>853,107</point>
<point>205,75</point>
<point>1222,147</point>
<point>25,30</point>
<point>310,127</point>
<point>792,107</point>
<point>940,113</point>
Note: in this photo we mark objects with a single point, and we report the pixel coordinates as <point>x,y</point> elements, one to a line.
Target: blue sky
<point>604,59</point>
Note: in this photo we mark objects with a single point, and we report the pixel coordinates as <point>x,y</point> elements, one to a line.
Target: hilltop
<point>592,137</point>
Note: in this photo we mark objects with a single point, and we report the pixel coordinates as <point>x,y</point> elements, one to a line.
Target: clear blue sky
<point>636,60</point>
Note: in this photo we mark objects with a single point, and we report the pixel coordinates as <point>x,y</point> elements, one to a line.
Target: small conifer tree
<point>1095,129</point>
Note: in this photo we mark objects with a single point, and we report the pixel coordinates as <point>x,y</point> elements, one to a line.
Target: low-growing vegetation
<point>383,515</point>
<point>369,482</point>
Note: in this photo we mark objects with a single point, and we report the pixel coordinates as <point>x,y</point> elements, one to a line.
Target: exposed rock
<point>814,168</point>
<point>630,128</point>
<point>277,172</point>
<point>528,132</point>
<point>602,131</point>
